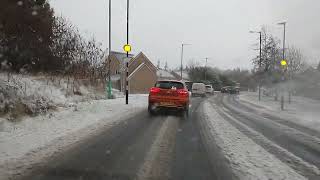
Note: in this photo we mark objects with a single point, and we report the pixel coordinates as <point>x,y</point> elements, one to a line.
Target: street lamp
<point>109,53</point>
<point>283,57</point>
<point>260,59</point>
<point>182,45</point>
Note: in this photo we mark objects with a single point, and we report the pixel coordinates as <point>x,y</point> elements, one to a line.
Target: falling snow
<point>20,3</point>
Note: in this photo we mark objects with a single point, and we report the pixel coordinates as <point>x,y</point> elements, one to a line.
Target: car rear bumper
<point>162,103</point>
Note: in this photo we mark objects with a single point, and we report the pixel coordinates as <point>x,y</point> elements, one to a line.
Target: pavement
<point>220,139</point>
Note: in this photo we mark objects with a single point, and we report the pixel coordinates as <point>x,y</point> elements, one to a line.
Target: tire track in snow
<point>157,162</point>
<point>304,168</point>
<point>299,143</point>
<point>248,159</point>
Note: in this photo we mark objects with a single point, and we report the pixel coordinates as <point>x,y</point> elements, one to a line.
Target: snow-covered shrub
<point>21,96</point>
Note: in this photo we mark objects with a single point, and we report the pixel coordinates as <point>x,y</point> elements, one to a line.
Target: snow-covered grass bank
<point>22,95</point>
<point>303,111</point>
<point>26,142</point>
<point>248,160</point>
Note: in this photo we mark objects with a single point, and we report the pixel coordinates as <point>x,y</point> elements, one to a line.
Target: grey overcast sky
<point>216,28</point>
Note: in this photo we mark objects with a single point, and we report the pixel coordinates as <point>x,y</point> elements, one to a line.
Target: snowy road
<point>221,139</point>
<point>142,147</point>
<point>296,146</point>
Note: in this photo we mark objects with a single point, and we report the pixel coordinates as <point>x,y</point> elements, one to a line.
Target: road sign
<point>127,48</point>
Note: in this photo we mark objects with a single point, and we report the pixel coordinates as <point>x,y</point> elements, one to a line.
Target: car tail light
<point>183,92</point>
<point>154,90</point>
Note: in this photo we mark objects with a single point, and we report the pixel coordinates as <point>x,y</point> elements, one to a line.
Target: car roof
<point>170,80</point>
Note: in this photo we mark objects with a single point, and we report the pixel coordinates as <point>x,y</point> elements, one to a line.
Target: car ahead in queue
<point>168,94</point>
<point>209,89</point>
<point>230,90</point>
<point>198,89</point>
<point>189,85</point>
<point>225,89</point>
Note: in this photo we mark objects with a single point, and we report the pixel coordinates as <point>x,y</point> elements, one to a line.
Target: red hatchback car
<point>169,94</point>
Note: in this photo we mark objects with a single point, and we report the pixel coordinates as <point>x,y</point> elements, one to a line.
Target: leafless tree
<point>295,59</point>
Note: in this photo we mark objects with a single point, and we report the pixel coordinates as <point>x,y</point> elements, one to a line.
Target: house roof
<point>120,55</point>
<point>142,54</point>
<point>137,69</point>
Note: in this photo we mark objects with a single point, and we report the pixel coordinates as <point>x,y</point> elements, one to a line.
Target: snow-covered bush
<point>20,96</point>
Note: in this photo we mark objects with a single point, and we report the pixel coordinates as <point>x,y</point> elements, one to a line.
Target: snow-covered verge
<point>303,111</point>
<point>27,142</point>
<point>248,160</point>
<point>22,95</point>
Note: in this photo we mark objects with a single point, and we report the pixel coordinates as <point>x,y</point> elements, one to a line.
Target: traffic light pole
<point>127,63</point>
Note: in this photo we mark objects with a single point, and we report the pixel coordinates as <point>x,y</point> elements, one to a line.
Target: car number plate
<point>166,104</point>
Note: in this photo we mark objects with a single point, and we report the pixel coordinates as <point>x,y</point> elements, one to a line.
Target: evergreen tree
<point>26,33</point>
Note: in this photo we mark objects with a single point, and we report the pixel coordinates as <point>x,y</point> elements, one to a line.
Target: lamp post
<point>109,53</point>
<point>182,45</point>
<point>260,59</point>
<point>283,58</point>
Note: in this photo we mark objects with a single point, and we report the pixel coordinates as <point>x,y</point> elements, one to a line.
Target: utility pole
<point>182,45</point>
<point>181,60</point>
<point>127,74</point>
<point>260,60</point>
<point>283,58</point>
<point>109,53</point>
<point>205,69</point>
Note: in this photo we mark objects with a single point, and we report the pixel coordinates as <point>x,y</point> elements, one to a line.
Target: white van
<point>198,89</point>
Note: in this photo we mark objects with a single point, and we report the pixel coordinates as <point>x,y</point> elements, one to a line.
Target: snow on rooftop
<point>185,74</point>
<point>161,73</point>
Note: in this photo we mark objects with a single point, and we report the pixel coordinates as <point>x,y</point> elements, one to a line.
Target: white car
<point>209,89</point>
<point>198,89</point>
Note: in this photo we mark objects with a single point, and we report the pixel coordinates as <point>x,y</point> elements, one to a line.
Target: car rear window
<point>169,85</point>
<point>208,86</point>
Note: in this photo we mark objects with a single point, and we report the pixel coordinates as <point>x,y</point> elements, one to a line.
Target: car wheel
<point>185,112</point>
<point>150,111</point>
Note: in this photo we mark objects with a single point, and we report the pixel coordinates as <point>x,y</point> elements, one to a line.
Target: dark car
<point>189,85</point>
<point>232,90</point>
<point>225,89</point>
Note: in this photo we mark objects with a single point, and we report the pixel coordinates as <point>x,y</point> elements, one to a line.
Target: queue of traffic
<point>174,94</point>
